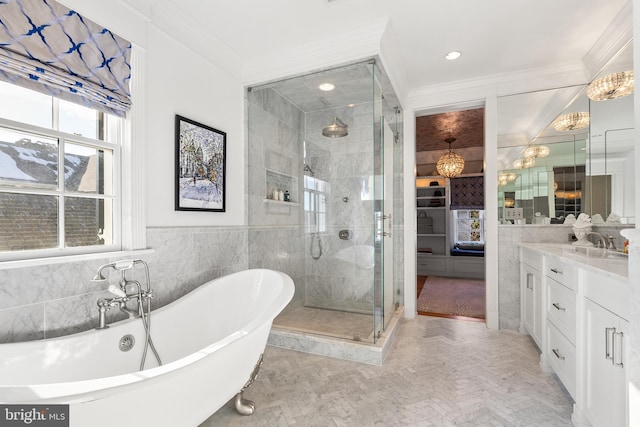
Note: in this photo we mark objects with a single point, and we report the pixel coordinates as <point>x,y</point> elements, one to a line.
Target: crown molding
<point>502,84</point>
<point>171,19</point>
<point>360,42</point>
<point>617,35</point>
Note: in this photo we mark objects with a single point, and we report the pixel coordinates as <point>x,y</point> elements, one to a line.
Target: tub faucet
<point>120,291</point>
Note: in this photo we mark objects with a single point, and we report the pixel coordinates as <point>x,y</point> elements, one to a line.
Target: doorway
<point>450,215</point>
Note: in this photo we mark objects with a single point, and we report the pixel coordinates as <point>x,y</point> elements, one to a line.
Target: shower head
<point>307,170</point>
<point>337,129</point>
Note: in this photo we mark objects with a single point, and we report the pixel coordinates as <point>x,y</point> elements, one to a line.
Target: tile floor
<point>440,372</point>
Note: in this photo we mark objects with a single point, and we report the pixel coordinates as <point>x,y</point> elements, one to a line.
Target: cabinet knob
<point>557,271</point>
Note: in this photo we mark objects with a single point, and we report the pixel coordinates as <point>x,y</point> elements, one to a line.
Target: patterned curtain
<point>467,192</point>
<point>49,48</point>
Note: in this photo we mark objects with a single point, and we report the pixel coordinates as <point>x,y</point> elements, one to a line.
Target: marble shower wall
<point>275,140</point>
<point>343,277</point>
<point>509,264</point>
<point>60,298</point>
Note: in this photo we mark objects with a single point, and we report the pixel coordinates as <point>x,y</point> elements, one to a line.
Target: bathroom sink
<point>594,252</point>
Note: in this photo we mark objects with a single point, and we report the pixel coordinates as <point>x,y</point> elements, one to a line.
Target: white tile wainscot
<point>575,305</point>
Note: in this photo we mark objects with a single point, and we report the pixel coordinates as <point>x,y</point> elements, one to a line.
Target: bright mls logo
<point>34,415</point>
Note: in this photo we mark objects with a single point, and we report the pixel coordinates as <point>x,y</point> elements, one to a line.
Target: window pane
<point>28,160</point>
<point>88,222</point>
<point>28,222</point>
<point>88,170</point>
<point>78,120</point>
<point>25,105</point>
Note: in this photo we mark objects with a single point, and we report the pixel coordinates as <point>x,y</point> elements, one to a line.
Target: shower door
<point>383,224</point>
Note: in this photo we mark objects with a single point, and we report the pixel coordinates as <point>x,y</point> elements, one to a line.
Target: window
<point>58,176</point>
<point>468,226</point>
<point>315,207</point>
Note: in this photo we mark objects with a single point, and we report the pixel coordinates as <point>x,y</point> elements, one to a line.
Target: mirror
<point>553,162</point>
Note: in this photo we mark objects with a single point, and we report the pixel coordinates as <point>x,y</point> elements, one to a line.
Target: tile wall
<point>60,299</point>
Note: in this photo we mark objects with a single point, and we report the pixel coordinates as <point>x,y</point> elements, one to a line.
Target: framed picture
<point>200,166</point>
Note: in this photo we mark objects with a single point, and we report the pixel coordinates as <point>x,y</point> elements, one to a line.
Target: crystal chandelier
<point>524,163</point>
<point>615,85</point>
<point>450,164</point>
<point>536,151</point>
<point>571,121</point>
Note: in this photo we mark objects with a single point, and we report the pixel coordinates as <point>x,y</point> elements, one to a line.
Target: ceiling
<point>495,37</point>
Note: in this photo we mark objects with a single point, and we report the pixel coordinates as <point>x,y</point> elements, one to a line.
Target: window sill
<point>24,263</point>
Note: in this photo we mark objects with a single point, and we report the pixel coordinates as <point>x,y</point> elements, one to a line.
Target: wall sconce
<point>615,85</point>
<point>571,121</point>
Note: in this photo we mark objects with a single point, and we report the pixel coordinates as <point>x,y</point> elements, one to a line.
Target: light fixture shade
<point>536,151</point>
<point>615,85</point>
<point>524,163</point>
<point>571,121</point>
<point>450,164</point>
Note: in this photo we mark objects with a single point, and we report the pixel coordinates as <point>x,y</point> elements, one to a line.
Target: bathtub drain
<point>127,342</point>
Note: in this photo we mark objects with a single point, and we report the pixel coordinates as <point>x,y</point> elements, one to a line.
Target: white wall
<point>178,80</point>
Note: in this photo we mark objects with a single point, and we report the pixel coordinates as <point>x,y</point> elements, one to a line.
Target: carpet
<point>451,296</point>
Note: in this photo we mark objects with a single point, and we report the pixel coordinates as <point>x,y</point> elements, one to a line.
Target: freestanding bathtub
<point>209,341</point>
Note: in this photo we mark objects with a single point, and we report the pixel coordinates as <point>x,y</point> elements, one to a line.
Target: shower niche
<point>275,183</point>
<point>327,150</point>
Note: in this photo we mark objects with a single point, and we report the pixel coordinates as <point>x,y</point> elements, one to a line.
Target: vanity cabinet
<point>532,321</point>
<point>605,337</point>
<point>559,350</point>
<point>577,310</point>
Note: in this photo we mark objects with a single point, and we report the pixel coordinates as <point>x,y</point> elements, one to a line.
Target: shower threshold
<point>308,340</point>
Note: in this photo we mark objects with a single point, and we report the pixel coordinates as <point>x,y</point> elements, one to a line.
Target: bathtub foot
<point>246,406</point>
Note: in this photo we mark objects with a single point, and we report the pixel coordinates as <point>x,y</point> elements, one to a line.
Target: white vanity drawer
<point>560,271</point>
<point>561,355</point>
<point>561,308</point>
<point>531,257</point>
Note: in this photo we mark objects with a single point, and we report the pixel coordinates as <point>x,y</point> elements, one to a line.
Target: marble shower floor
<point>440,372</point>
<point>320,321</point>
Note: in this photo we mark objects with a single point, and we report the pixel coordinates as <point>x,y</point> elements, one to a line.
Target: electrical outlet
<point>513,213</point>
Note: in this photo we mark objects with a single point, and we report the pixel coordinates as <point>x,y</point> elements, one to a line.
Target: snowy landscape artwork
<point>200,166</point>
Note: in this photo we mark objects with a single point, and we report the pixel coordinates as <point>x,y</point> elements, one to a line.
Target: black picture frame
<point>200,175</point>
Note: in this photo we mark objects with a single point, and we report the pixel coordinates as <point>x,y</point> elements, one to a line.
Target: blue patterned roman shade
<point>467,193</point>
<point>47,47</point>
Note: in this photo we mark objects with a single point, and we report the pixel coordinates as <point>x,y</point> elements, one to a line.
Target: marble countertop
<point>614,266</point>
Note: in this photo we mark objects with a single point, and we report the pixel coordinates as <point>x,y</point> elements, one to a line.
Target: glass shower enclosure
<point>321,179</point>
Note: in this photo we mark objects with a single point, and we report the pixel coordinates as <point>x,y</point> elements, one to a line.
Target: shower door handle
<point>380,233</point>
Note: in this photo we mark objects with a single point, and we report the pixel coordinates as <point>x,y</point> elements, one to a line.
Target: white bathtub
<point>209,342</point>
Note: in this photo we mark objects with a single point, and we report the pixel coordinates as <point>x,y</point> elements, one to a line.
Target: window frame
<point>131,182</point>
<point>112,132</point>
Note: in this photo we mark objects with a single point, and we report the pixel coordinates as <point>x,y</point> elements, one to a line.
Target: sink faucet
<point>602,240</point>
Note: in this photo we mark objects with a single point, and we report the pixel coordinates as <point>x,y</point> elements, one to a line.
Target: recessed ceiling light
<point>326,87</point>
<point>351,105</point>
<point>453,55</point>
